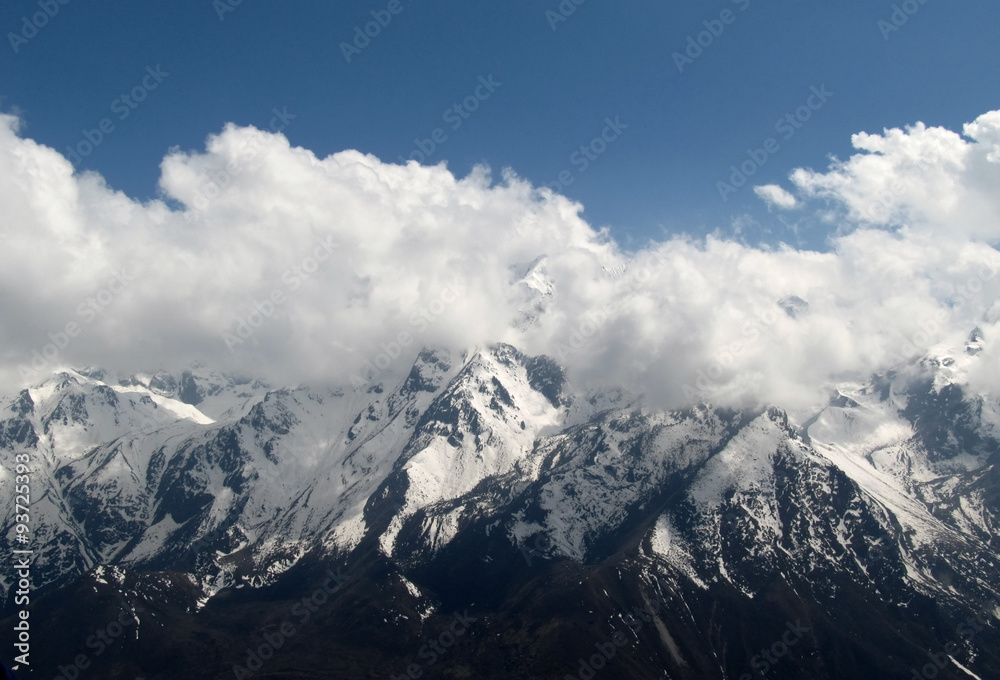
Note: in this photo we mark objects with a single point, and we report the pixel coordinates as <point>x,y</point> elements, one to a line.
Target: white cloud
<point>776,196</point>
<point>924,178</point>
<point>416,250</point>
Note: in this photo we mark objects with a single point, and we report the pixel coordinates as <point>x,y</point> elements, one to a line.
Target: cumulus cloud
<point>265,260</point>
<point>774,195</point>
<point>922,178</point>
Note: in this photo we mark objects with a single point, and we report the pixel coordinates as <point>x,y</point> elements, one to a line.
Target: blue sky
<point>557,86</point>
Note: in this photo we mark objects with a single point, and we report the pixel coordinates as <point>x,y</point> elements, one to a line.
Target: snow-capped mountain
<point>482,482</point>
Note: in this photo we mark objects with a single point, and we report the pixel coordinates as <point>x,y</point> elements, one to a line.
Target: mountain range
<point>481,517</point>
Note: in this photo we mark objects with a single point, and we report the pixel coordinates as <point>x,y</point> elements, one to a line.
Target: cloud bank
<point>264,260</point>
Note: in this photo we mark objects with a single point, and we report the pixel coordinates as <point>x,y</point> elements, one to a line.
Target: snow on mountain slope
<point>746,463</point>
<point>884,505</point>
<point>481,426</point>
<point>127,472</point>
<point>217,396</point>
<point>89,446</point>
<point>232,481</point>
<point>909,432</point>
<point>294,472</point>
<point>593,474</point>
<point>532,290</point>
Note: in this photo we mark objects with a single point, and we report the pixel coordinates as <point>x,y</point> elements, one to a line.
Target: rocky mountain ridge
<point>481,480</point>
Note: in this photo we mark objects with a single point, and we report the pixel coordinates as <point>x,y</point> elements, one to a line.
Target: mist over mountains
<point>262,259</point>
<point>335,417</point>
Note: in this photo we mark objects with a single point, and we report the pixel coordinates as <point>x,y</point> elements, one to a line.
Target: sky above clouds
<point>252,210</point>
<point>560,80</point>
